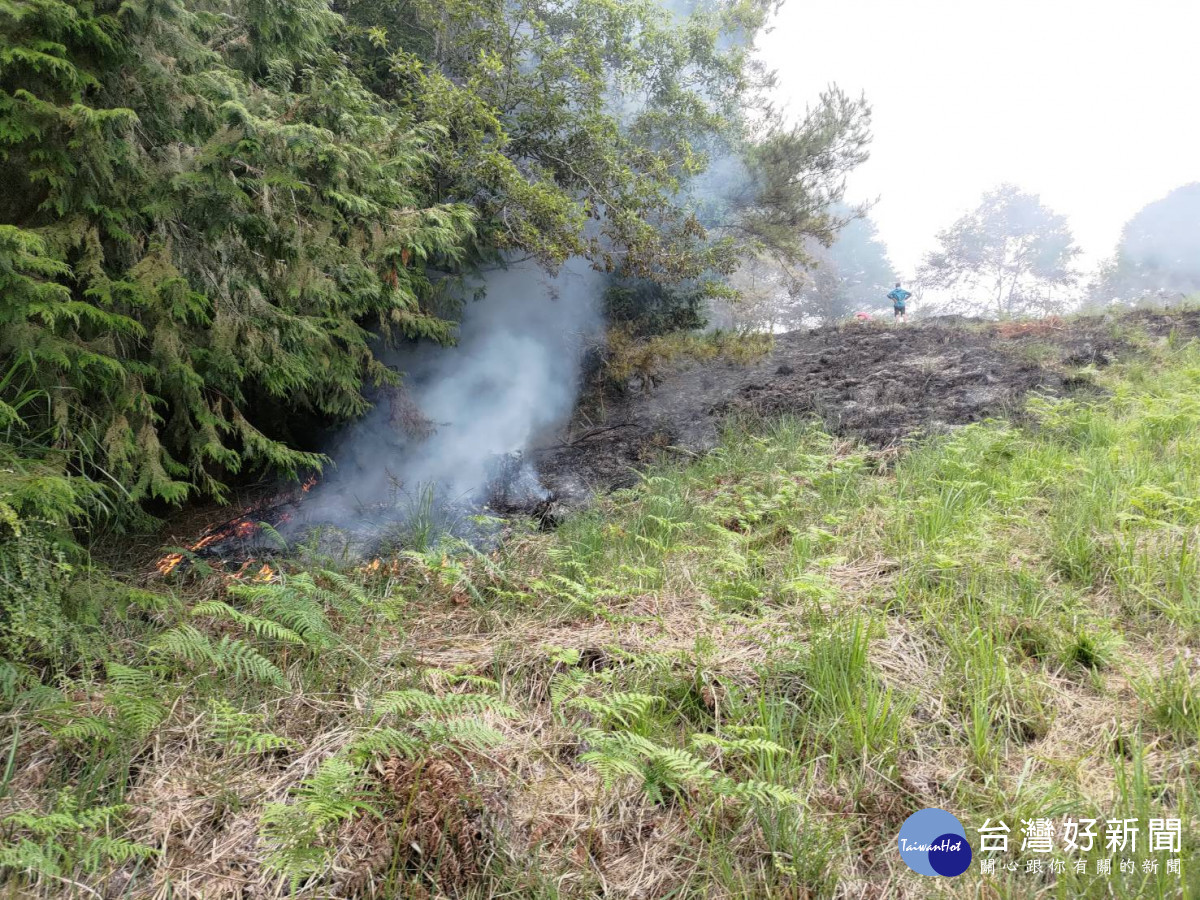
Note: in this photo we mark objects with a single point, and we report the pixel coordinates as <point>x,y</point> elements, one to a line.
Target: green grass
<point>736,679</point>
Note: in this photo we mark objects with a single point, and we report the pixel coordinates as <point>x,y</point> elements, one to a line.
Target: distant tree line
<point>1009,256</point>
<point>1014,256</point>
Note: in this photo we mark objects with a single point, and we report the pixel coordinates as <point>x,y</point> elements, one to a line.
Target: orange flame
<point>378,565</point>
<point>205,541</point>
<point>241,527</point>
<point>167,564</point>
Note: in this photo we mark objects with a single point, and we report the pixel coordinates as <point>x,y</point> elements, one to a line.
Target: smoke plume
<point>467,414</point>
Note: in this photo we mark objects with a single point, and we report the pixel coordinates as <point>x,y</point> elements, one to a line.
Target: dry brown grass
<point>448,816</point>
<point>1023,329</point>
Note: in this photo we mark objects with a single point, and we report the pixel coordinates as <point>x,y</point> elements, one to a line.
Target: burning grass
<point>737,679</point>
<point>233,545</point>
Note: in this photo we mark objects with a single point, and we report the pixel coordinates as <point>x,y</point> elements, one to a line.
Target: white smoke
<point>509,383</point>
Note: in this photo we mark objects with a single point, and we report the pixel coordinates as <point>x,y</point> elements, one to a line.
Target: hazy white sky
<point>1094,105</point>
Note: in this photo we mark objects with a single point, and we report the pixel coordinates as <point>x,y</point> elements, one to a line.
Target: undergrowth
<point>628,356</point>
<point>737,679</point>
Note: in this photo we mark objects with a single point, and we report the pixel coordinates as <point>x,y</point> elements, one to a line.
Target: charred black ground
<point>878,383</point>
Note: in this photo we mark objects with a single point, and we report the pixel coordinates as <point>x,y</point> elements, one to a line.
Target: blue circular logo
<point>933,842</point>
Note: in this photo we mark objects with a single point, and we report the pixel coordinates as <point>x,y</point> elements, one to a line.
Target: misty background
<point>1089,105</point>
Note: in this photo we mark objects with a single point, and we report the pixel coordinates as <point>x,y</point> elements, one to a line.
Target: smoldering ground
<point>432,454</point>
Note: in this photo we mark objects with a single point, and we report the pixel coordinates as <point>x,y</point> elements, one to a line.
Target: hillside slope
<point>878,383</point>
<point>736,679</point>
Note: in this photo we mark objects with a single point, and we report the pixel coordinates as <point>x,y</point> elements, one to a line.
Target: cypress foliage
<point>206,216</point>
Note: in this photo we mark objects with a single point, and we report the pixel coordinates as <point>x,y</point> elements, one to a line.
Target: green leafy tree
<point>634,135</point>
<point>1011,255</point>
<point>560,114</point>
<point>798,179</point>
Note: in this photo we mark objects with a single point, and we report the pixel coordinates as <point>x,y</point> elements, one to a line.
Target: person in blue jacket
<point>898,296</point>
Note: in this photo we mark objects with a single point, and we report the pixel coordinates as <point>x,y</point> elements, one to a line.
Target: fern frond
<point>218,609</point>
<point>625,708</point>
<point>468,732</point>
<point>762,793</point>
<point>384,742</point>
<point>248,663</point>
<point>187,643</point>
<point>611,766</point>
<point>349,589</point>
<point>241,730</point>
<point>32,858</point>
<point>62,840</point>
<point>297,603</point>
<point>102,850</point>
<point>84,728</point>
<point>478,681</point>
<point>410,701</point>
<point>138,714</point>
<point>10,678</point>
<point>679,767</point>
<point>128,678</point>
<point>740,745</point>
<point>296,834</point>
<point>746,731</point>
